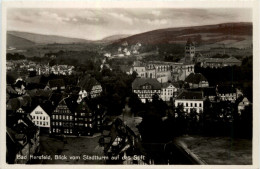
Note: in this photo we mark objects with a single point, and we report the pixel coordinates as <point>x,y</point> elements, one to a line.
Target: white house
<point>241,106</point>
<point>40,118</point>
<point>167,91</point>
<point>190,100</point>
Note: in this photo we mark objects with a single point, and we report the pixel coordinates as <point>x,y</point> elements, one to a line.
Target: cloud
<point>122,17</point>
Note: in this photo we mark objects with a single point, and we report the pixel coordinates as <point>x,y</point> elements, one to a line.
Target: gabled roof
<point>56,98</point>
<point>138,64</point>
<point>87,83</point>
<point>35,79</point>
<point>139,82</point>
<point>167,84</point>
<point>226,89</point>
<point>56,83</point>
<point>210,91</point>
<point>195,78</point>
<point>189,43</point>
<point>190,95</point>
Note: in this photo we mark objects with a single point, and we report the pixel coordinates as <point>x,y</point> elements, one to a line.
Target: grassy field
<point>219,150</point>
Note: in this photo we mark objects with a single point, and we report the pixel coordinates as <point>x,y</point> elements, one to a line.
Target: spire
<point>189,42</point>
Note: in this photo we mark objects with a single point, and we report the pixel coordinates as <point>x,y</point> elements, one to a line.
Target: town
<point>121,106</point>
<point>97,85</point>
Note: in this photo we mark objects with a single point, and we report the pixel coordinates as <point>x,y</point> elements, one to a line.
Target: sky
<point>98,23</point>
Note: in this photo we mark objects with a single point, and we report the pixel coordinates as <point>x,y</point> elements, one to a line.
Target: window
<point>71,118</point>
<point>195,104</point>
<point>46,123</point>
<point>37,117</point>
<point>43,117</point>
<point>191,104</point>
<point>200,104</point>
<point>53,130</point>
<point>40,123</point>
<point>187,104</point>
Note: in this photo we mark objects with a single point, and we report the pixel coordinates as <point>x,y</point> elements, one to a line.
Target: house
<point>227,93</point>
<point>122,141</point>
<point>40,117</point>
<point>22,138</point>
<point>62,118</point>
<point>190,100</point>
<point>90,87</point>
<point>145,88</point>
<point>210,93</point>
<point>219,62</point>
<point>84,119</point>
<point>241,106</point>
<point>19,87</point>
<point>139,68</point>
<point>55,84</point>
<point>197,80</point>
<point>168,91</point>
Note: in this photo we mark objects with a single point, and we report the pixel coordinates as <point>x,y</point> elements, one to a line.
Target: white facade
<point>40,118</point>
<point>168,92</point>
<point>190,104</point>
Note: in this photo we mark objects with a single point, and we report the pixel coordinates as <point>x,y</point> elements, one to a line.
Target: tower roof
<point>189,42</point>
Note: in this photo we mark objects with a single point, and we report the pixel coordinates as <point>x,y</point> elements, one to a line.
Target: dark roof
<point>190,95</point>
<point>195,78</point>
<point>19,83</point>
<point>87,82</point>
<point>167,84</point>
<point>220,60</point>
<point>35,79</point>
<point>138,64</point>
<point>39,92</point>
<point>226,89</point>
<point>71,102</point>
<point>189,43</point>
<point>56,83</point>
<point>139,82</point>
<point>56,98</point>
<point>210,91</point>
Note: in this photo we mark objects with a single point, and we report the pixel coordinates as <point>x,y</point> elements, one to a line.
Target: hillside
<point>46,39</point>
<point>236,35</point>
<point>115,37</point>
<point>18,42</point>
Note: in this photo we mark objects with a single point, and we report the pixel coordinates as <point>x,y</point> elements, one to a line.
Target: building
<point>19,87</point>
<point>197,80</point>
<point>189,51</point>
<point>140,68</point>
<point>22,138</point>
<point>55,84</point>
<point>84,119</point>
<point>40,117</point>
<point>124,140</point>
<point>190,100</point>
<point>210,93</point>
<point>241,106</point>
<point>218,62</point>
<point>145,88</point>
<point>168,91</point>
<point>62,118</point>
<point>227,93</point>
<point>89,87</point>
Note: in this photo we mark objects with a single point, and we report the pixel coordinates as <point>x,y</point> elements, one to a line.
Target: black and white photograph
<point>126,85</point>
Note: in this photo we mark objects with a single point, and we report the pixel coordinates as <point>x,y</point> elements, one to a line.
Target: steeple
<point>189,51</point>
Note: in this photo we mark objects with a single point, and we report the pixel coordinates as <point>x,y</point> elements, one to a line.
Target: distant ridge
<point>46,39</point>
<point>206,34</point>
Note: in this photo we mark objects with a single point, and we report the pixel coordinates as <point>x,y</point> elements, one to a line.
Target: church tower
<point>189,51</point>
